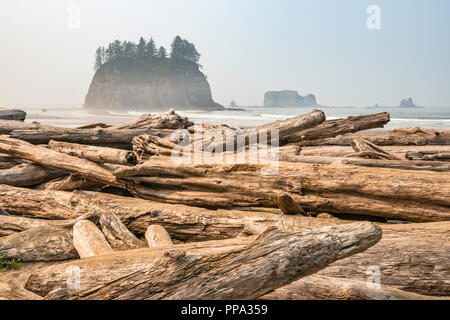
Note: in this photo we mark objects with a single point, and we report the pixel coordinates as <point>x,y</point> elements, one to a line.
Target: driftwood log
<point>50,242</point>
<point>366,149</point>
<point>89,241</point>
<point>94,153</point>
<point>13,114</point>
<point>394,194</point>
<point>97,137</point>
<point>28,174</point>
<point>439,166</point>
<point>428,156</point>
<point>117,234</point>
<point>333,128</point>
<point>7,126</point>
<point>47,157</point>
<point>171,120</point>
<point>70,183</point>
<point>326,288</point>
<point>239,274</point>
<point>7,162</point>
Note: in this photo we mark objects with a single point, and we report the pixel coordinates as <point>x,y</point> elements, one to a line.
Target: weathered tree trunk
<point>7,162</point>
<point>27,175</point>
<point>89,241</point>
<point>332,128</point>
<point>428,156</point>
<point>51,242</point>
<point>366,149</point>
<point>383,139</point>
<point>145,146</point>
<point>47,157</point>
<point>117,234</point>
<point>412,257</point>
<point>317,287</point>
<point>171,120</point>
<point>97,137</point>
<point>13,114</point>
<point>182,222</point>
<point>240,274</point>
<point>7,126</point>
<point>51,280</point>
<point>393,194</point>
<point>94,153</point>
<point>439,166</point>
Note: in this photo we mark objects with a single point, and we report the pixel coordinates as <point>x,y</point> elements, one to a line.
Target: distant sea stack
<point>138,77</point>
<point>288,98</point>
<point>407,103</point>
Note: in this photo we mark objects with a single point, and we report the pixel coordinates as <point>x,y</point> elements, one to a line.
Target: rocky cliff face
<point>155,84</point>
<point>288,98</point>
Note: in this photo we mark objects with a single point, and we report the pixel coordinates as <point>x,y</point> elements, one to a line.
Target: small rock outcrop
<point>288,98</point>
<point>407,103</point>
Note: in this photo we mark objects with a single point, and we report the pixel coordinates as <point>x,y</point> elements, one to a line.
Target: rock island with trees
<point>144,77</point>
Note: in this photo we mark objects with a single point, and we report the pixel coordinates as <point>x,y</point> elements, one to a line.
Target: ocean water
<point>426,117</point>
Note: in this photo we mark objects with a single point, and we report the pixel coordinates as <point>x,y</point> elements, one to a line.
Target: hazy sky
<point>248,47</point>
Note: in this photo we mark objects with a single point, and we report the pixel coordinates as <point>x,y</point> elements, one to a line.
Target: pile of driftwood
<point>104,212</point>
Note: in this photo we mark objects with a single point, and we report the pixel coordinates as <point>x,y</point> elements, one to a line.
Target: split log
<point>146,146</point>
<point>326,288</point>
<point>52,242</point>
<point>89,241</point>
<point>28,174</point>
<point>157,236</point>
<point>439,166</point>
<point>182,222</point>
<point>412,257</point>
<point>94,153</point>
<point>171,120</point>
<point>366,149</point>
<point>13,114</point>
<point>44,156</point>
<point>333,128</point>
<point>97,137</point>
<point>117,234</point>
<point>240,274</point>
<point>395,194</point>
<point>428,156</point>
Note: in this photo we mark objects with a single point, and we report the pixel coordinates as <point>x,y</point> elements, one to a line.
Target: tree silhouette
<point>151,48</point>
<point>184,50</point>
<point>162,53</point>
<point>141,48</point>
<point>98,58</point>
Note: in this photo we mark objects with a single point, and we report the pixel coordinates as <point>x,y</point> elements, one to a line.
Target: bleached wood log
<point>157,236</point>
<point>240,274</point>
<point>51,242</point>
<point>333,128</point>
<point>183,223</point>
<point>47,157</point>
<point>317,287</point>
<point>366,149</point>
<point>439,166</point>
<point>97,137</point>
<point>393,194</point>
<point>117,234</point>
<point>171,120</point>
<point>28,174</point>
<point>95,153</point>
<point>413,257</point>
<point>428,156</point>
<point>89,241</point>
<point>13,114</point>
